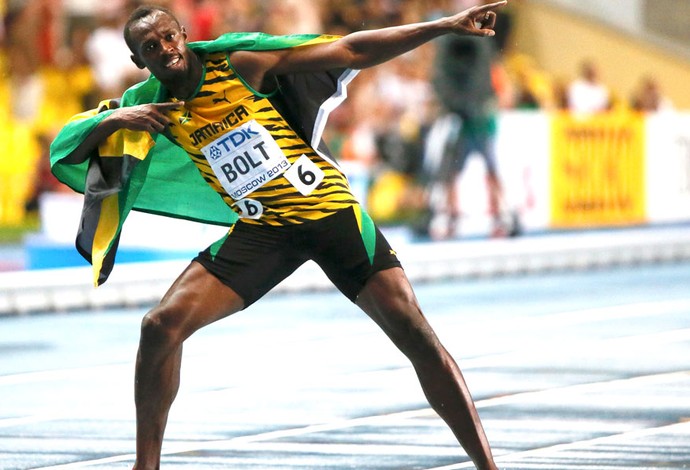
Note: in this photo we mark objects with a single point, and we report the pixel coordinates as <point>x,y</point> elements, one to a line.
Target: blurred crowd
<point>60,57</point>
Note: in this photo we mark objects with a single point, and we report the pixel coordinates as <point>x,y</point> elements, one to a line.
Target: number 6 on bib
<point>304,175</point>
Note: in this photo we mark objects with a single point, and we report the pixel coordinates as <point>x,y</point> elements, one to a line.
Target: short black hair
<point>142,12</point>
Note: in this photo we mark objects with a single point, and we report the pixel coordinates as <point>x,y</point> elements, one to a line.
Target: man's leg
<point>196,298</point>
<point>389,300</point>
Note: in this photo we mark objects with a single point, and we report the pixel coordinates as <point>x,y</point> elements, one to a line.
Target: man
<point>463,85</point>
<point>587,94</point>
<point>230,107</point>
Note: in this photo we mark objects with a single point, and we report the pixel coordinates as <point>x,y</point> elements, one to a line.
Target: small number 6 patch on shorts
<point>304,175</point>
<point>249,208</point>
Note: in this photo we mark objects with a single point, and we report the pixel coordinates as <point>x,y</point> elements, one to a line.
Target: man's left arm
<point>364,49</point>
<point>370,48</point>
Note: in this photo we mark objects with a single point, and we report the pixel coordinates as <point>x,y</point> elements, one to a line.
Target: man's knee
<point>391,302</point>
<point>161,327</point>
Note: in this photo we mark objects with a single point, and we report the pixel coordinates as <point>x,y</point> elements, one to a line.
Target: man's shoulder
<point>228,42</point>
<point>257,41</point>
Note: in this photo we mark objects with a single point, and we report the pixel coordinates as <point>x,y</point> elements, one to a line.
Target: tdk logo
<point>235,139</point>
<point>215,153</point>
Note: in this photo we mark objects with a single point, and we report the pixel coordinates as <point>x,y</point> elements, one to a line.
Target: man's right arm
<point>150,118</point>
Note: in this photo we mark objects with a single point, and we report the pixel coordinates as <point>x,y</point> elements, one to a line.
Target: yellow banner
<point>597,173</point>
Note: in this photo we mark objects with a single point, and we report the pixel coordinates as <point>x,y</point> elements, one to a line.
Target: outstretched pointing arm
<point>369,48</point>
<point>363,49</point>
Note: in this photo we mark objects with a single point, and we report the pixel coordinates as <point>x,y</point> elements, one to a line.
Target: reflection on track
<point>587,370</point>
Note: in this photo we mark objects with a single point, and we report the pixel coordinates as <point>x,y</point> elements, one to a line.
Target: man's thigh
<point>252,259</point>
<point>196,299</point>
<point>350,249</point>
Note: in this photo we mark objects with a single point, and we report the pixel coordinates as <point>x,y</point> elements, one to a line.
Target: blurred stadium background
<point>576,353</point>
<point>625,167</point>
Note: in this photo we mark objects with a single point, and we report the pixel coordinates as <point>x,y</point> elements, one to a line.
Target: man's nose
<point>168,46</point>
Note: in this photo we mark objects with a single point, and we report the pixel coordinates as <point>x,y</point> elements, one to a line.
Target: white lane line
<point>57,374</point>
<point>657,339</point>
<point>683,427</point>
<point>559,320</point>
<point>591,346</point>
<point>233,443</point>
<point>651,379</point>
<point>24,420</point>
<point>240,440</point>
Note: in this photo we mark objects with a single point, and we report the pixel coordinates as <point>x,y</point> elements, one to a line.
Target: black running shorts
<point>252,259</point>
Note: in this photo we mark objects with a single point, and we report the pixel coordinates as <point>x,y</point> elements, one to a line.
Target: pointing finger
<point>492,6</point>
<point>170,105</point>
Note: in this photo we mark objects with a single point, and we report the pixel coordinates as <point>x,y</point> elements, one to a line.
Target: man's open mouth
<point>173,61</point>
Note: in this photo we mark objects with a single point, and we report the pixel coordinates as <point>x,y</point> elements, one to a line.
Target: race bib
<point>245,159</point>
<point>304,175</point>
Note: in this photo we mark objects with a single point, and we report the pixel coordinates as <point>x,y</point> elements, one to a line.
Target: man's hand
<point>143,117</point>
<point>476,21</point>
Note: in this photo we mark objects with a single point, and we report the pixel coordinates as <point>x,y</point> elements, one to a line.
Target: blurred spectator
<point>108,53</point>
<point>404,97</point>
<point>587,94</point>
<point>43,179</point>
<point>648,97</point>
<point>47,80</point>
<point>242,15</point>
<point>25,90</point>
<point>17,168</point>
<point>22,92</point>
<point>344,16</point>
<point>204,20</point>
<point>26,86</point>
<point>463,84</point>
<point>400,109</point>
<point>3,15</point>
<point>75,62</point>
<point>351,136</point>
<point>532,88</point>
<point>293,17</point>
<point>73,76</point>
<point>378,131</point>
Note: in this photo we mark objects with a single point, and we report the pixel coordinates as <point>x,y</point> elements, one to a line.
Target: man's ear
<point>137,62</point>
<point>184,33</point>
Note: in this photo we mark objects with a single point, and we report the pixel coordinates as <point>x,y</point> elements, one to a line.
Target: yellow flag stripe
<point>106,230</point>
<point>320,40</point>
<point>127,142</point>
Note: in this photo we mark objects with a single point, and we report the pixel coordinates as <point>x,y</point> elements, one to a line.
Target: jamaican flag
<point>134,170</point>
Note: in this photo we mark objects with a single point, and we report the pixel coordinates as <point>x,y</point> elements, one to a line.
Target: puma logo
<point>224,98</point>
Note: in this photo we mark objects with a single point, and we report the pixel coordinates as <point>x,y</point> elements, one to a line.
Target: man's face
<point>161,47</point>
